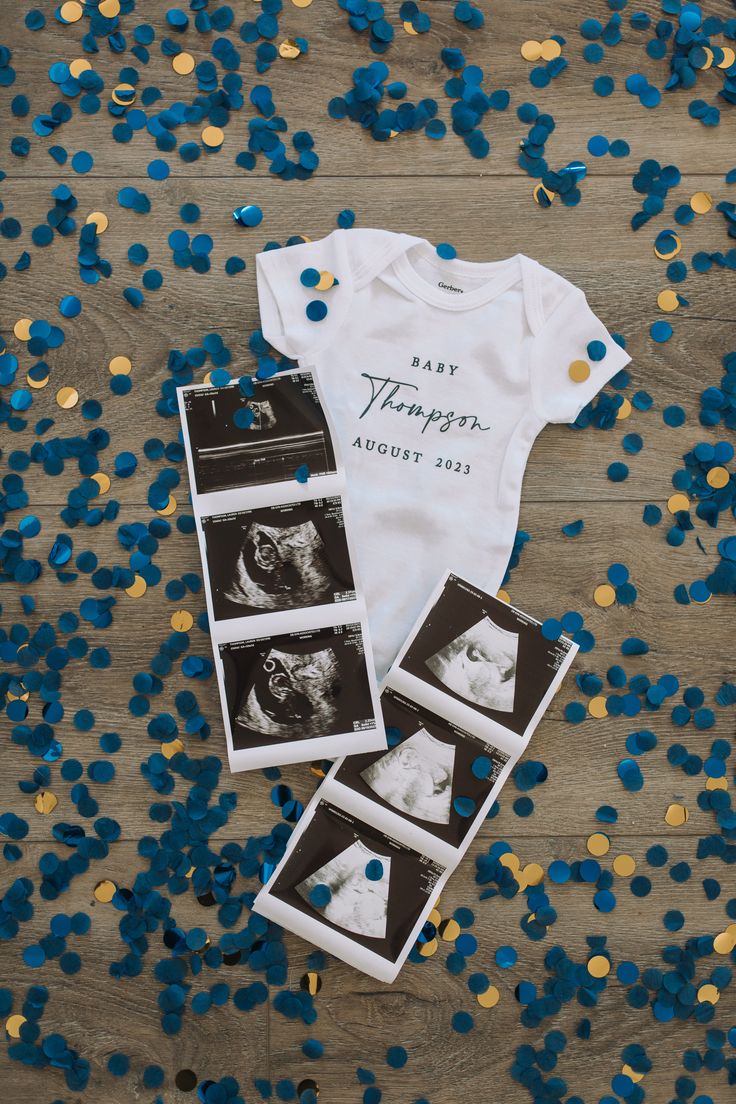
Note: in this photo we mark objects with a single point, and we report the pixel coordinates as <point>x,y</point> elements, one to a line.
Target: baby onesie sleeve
<point>573,354</point>
<point>284,294</point>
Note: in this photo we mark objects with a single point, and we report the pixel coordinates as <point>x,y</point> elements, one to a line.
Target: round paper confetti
<point>67,397</point>
<point>105,891</point>
<point>579,371</point>
<point>604,595</point>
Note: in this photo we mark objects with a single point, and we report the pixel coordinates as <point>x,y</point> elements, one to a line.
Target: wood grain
<point>485,208</point>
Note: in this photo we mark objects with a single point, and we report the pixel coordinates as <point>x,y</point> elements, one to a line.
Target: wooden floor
<point>485,208</point>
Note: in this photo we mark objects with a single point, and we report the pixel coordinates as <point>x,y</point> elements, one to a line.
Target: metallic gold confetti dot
<point>540,189</point>
<point>579,371</point>
<point>45,802</point>
<point>708,993</point>
<point>449,930</point>
<point>531,50</point>
<point>71,11</point>
<point>716,783</point>
<point>533,873</point>
<point>701,202</point>
<point>67,397</point>
<point>599,966</point>
<point>169,508</point>
<point>409,28</point>
<point>207,378</point>
<point>109,8</point>
<point>105,891</point>
<point>435,917</point>
<point>317,769</point>
<point>627,1071</point>
<point>326,280</point>
<point>100,219</point>
<point>22,329</point>
<point>624,410</point>
<point>504,596</point>
<point>137,588</point>
<point>667,300</point>
<point>708,58</point>
<point>124,94</point>
<point>597,707</point>
<point>79,65</point>
<point>624,866</point>
<point>729,57</point>
<point>37,385</point>
<point>181,621</point>
<point>490,998</point>
<point>717,477</point>
<point>311,983</point>
<point>676,815</point>
<point>103,482</point>
<point>677,502</point>
<point>172,748</point>
<point>429,948</point>
<point>723,943</point>
<point>510,860</point>
<point>301,3</point>
<point>13,1024</point>
<point>289,49</point>
<point>213,136</point>
<point>598,844</point>
<point>182,63</point>
<point>550,49</point>
<point>673,252</point>
<point>120,366</point>
<point>604,595</point>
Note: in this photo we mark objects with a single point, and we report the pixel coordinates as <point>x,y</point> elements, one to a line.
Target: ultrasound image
<point>480,665</point>
<point>278,558</point>
<point>356,903</point>
<point>415,777</point>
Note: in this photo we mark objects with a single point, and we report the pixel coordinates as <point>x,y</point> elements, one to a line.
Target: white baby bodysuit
<point>438,376</point>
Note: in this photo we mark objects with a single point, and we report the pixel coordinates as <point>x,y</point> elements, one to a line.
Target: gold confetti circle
<point>109,8</point>
<point>550,49</point>
<point>531,50</point>
<point>45,802</point>
<point>708,58</point>
<point>301,3</point>
<point>510,860</point>
<point>79,65</point>
<point>701,202</point>
<point>67,397</point>
<point>289,49</point>
<point>100,219</point>
<point>504,596</point>
<point>723,943</point>
<point>22,329</point>
<point>716,783</point>
<point>311,983</point>
<point>124,94</point>
<point>169,508</point>
<point>667,300</point>
<point>37,385</point>
<point>71,11</point>
<point>624,866</point>
<point>599,966</point>
<point>409,28</point>
<point>604,595</point>
<point>213,136</point>
<point>434,917</point>
<point>449,930</point>
<point>105,891</point>
<point>676,815</point>
<point>429,948</point>
<point>120,366</point>
<point>677,502</point>
<point>598,844</point>
<point>170,749</point>
<point>182,63</point>
<point>708,993</point>
<point>627,1071</point>
<point>729,57</point>
<point>103,482</point>
<point>533,873</point>
<point>137,588</point>
<point>624,410</point>
<point>672,253</point>
<point>326,280</point>
<point>490,998</point>
<point>597,707</point>
<point>13,1024</point>
<point>181,621</point>
<point>717,477</point>
<point>579,371</point>
<point>537,191</point>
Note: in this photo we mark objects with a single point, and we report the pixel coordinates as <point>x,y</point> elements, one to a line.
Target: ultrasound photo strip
<point>467,667</point>
<point>286,612</point>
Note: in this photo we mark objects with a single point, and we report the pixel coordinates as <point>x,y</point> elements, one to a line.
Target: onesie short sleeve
<point>573,354</point>
<point>285,294</point>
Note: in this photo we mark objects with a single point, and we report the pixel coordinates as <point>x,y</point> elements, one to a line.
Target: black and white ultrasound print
<point>427,767</point>
<point>334,852</point>
<point>297,686</point>
<point>486,654</point>
<point>288,429</point>
<point>278,558</point>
